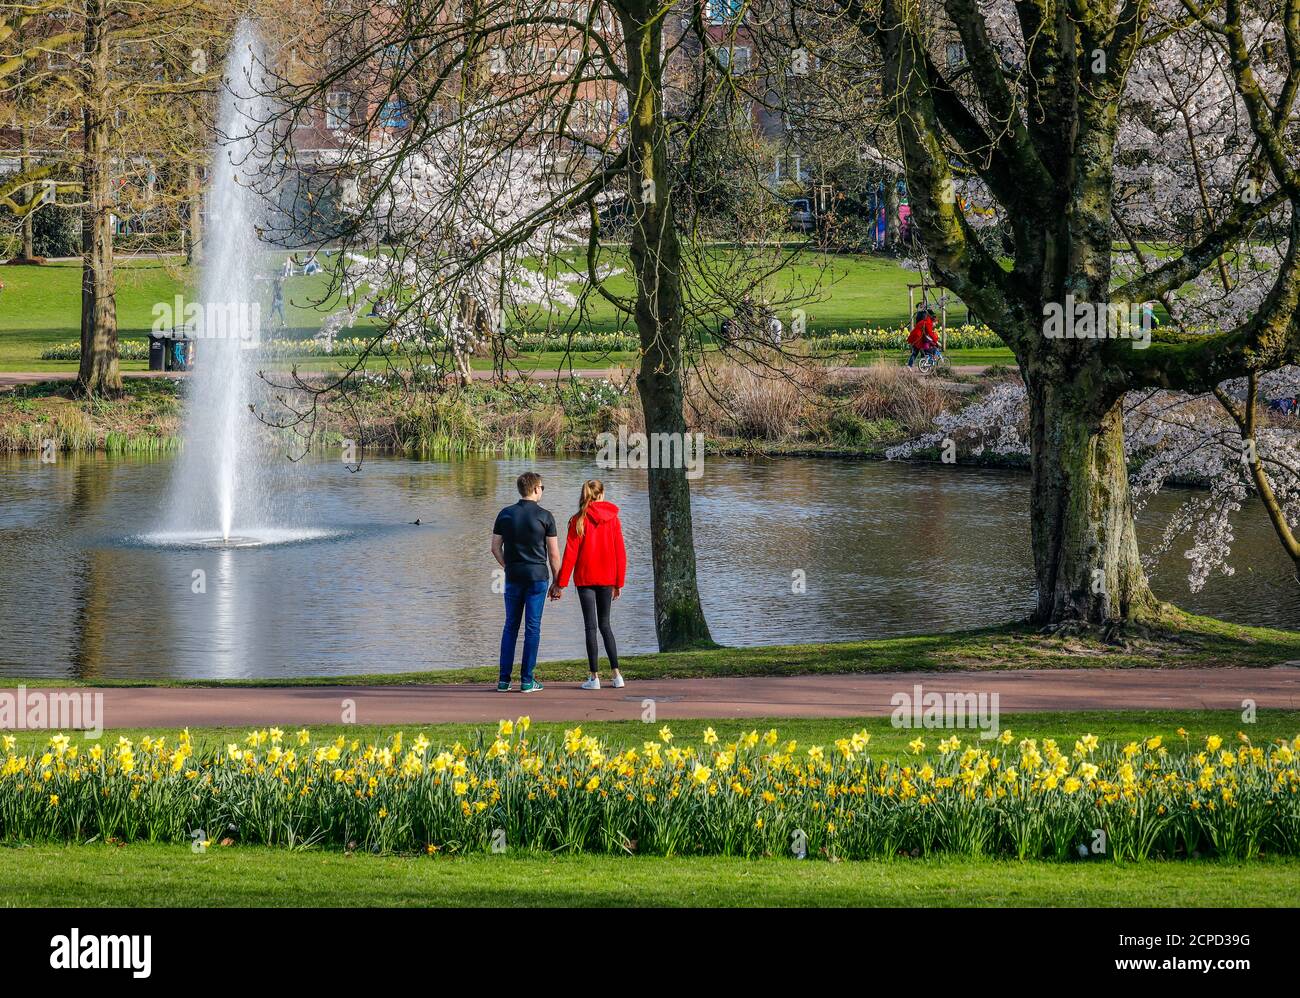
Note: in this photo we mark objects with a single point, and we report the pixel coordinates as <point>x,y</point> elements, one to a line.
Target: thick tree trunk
<point>1086,557</point>
<point>467,336</point>
<point>891,214</point>
<point>679,615</point>
<point>99,373</point>
<point>656,264</point>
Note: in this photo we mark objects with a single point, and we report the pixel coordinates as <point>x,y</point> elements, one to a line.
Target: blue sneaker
<point>503,687</point>
<point>531,686</point>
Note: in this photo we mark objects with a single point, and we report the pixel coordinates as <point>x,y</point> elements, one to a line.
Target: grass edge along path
<point>1182,639</point>
<point>174,876</point>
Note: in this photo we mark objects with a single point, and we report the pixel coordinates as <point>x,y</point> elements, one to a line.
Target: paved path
<point>795,696</point>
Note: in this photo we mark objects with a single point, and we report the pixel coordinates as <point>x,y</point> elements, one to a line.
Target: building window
<point>721,11</point>
<point>393,115</point>
<point>788,166</point>
<point>338,110</point>
<point>736,57</point>
<point>956,53</point>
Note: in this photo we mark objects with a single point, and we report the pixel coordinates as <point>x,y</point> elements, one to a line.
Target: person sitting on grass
<point>923,339</point>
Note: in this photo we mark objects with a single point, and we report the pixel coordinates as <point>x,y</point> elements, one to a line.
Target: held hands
<point>555,591</point>
<point>617,590</point>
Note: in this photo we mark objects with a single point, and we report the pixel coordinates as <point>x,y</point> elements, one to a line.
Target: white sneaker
<point>592,683</point>
<point>618,682</point>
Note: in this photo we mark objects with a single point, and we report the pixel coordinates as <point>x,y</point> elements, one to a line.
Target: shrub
<point>56,231</point>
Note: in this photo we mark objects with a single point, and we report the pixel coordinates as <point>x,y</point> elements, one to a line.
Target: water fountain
<point>220,495</point>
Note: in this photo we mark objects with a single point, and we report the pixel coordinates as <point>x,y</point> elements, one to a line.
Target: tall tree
<point>1032,111</point>
<point>586,86</point>
<point>106,63</point>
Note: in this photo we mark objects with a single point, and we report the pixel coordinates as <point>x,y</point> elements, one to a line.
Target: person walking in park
<point>596,559</point>
<point>922,338</point>
<point>277,300</point>
<point>525,545</point>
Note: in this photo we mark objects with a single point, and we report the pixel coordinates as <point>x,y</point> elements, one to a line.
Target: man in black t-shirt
<point>525,544</point>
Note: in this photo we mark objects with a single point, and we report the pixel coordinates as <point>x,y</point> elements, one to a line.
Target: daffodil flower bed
<point>967,336</point>
<point>756,796</point>
<point>959,337</point>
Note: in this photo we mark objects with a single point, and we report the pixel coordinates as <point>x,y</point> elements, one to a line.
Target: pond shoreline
<point>148,420</point>
<point>824,417</point>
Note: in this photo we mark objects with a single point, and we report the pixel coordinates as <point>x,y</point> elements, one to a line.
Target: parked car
<point>801,215</point>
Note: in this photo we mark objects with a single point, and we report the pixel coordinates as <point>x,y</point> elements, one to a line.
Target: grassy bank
<point>146,419</point>
<point>173,876</point>
<point>802,408</point>
<point>1181,640</point>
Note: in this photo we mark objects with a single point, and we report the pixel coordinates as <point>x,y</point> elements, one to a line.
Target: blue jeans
<point>524,601</point>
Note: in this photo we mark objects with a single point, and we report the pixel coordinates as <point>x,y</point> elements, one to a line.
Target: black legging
<point>595,602</point>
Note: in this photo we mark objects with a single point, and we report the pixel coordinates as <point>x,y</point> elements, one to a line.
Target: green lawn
<point>40,306</point>
<point>1185,640</point>
<point>887,742</point>
<point>985,357</point>
<point>174,876</point>
<point>837,291</point>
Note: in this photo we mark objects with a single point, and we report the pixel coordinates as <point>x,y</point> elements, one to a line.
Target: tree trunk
<point>193,215</point>
<point>656,264</point>
<point>99,373</point>
<point>24,164</point>
<point>1086,558</point>
<point>29,238</point>
<point>465,336</point>
<point>891,214</point>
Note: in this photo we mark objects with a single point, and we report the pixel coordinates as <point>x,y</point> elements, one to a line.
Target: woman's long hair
<point>592,491</point>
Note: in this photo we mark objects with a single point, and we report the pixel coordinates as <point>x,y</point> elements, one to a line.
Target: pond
<point>92,586</point>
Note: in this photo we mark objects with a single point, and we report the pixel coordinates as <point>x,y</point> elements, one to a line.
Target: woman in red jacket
<point>596,559</point>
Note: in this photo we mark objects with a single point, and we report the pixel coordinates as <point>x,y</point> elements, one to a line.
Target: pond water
<point>91,585</point>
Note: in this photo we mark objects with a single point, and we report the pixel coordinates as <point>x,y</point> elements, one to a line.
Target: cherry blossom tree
<point>431,212</point>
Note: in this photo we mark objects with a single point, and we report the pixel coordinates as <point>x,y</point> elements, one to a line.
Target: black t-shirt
<point>525,527</point>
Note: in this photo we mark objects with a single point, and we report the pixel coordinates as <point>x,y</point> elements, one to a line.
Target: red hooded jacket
<point>922,335</point>
<point>598,557</point>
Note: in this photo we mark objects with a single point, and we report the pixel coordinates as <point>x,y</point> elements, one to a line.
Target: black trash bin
<point>157,352</point>
<point>178,353</point>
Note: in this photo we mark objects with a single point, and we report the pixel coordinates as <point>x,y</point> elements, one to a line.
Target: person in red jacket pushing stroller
<point>596,559</point>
